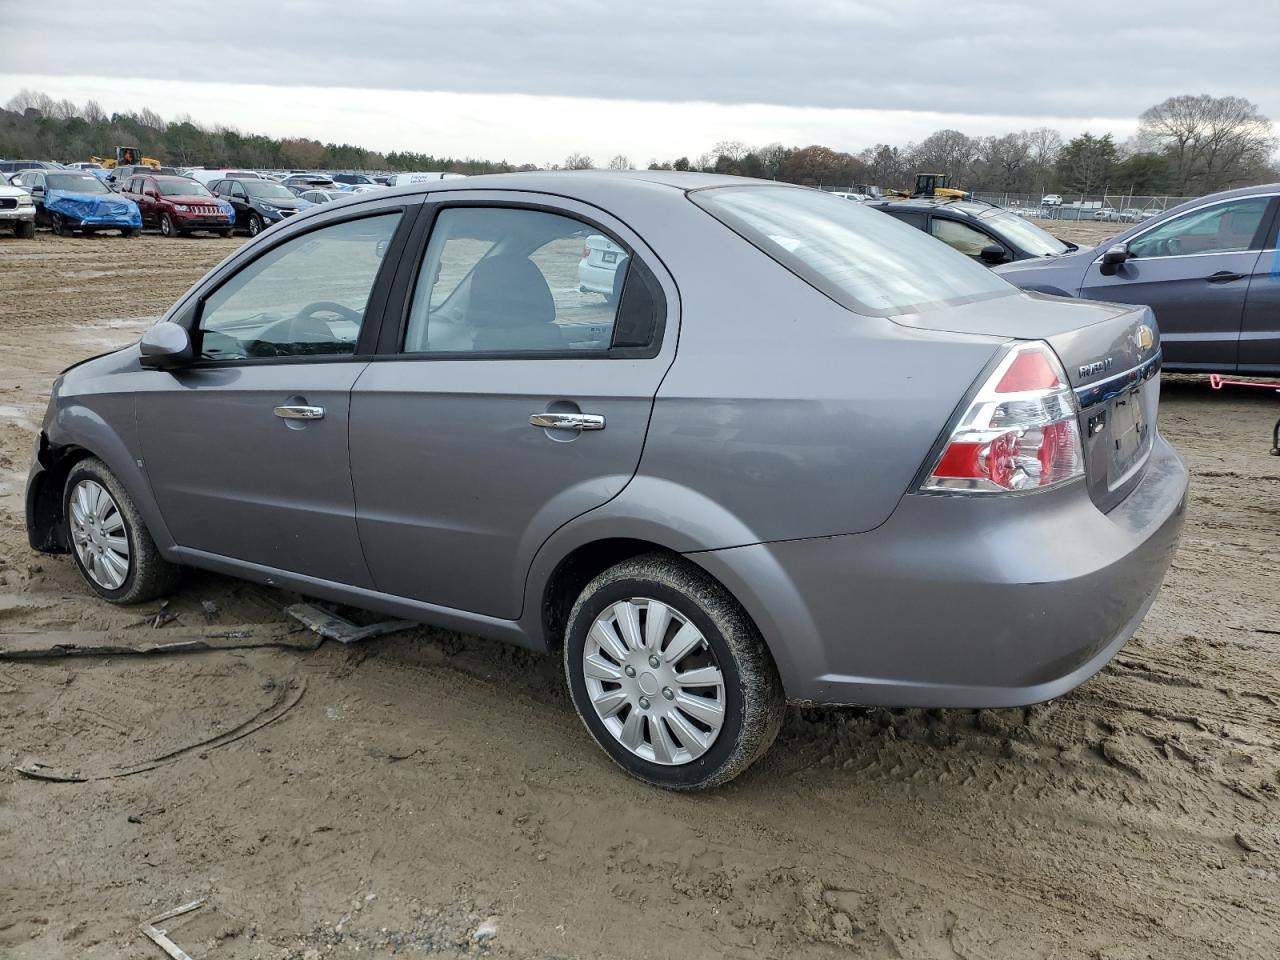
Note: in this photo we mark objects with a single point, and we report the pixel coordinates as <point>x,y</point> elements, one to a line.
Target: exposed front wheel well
<point>45,529</point>
<point>577,570</point>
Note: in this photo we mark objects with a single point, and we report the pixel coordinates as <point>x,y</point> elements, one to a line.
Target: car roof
<point>966,208</point>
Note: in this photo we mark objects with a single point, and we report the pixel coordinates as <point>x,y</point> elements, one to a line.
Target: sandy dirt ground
<point>434,794</point>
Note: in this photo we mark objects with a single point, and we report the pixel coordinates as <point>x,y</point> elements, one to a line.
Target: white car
<point>1107,214</point>
<point>857,197</point>
<point>1051,200</point>
<point>598,268</point>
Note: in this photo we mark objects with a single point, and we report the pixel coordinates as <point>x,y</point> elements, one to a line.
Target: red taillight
<point>1029,371</point>
<point>1019,433</point>
<point>586,252</point>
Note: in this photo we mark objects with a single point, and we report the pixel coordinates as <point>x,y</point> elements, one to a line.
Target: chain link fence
<point>1109,207</point>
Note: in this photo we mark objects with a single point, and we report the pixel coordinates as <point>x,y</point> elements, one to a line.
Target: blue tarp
<point>226,207</point>
<point>94,209</point>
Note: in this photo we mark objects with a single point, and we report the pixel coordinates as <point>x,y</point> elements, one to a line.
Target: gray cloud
<point>1017,57</point>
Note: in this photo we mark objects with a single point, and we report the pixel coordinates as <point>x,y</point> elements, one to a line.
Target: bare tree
<point>620,162</point>
<point>771,157</point>
<point>578,161</point>
<point>735,150</point>
<point>946,151</point>
<point>1044,144</point>
<point>93,112</point>
<point>1211,142</point>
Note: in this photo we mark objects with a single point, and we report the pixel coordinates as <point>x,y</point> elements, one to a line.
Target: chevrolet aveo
<point>806,453</point>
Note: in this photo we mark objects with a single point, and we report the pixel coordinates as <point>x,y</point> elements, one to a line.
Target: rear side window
<point>508,281</point>
<point>867,262</point>
<point>959,236</point>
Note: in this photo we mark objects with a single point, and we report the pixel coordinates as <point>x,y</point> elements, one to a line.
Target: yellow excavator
<point>126,156</point>
<point>935,185</point>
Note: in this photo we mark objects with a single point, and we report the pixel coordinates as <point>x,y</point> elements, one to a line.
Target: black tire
<point>131,232</point>
<point>25,230</point>
<point>149,575</point>
<point>754,704</point>
<point>167,229</point>
<point>227,233</point>
<point>255,224</point>
<point>59,225</point>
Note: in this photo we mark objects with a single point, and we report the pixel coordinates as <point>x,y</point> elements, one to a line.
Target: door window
<point>960,236</point>
<point>305,297</point>
<point>499,280</point>
<point>1222,228</point>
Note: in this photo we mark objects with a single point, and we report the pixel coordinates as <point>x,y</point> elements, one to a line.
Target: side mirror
<point>992,254</point>
<point>165,345</point>
<point>153,194</point>
<point>37,189</point>
<point>1115,255</point>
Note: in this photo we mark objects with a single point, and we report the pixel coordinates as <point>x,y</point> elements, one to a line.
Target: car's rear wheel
<point>670,675</point>
<point>255,224</point>
<point>109,541</point>
<point>131,232</point>
<point>226,233</point>
<point>167,229</point>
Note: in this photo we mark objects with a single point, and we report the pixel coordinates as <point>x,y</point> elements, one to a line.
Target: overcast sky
<point>528,80</point>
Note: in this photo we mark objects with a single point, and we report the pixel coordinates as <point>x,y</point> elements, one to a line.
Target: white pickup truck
<point>17,210</point>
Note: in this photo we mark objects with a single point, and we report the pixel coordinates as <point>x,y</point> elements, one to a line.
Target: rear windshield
<point>861,258</point>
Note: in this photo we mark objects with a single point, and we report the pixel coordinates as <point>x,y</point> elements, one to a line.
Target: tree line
<point>1186,145</point>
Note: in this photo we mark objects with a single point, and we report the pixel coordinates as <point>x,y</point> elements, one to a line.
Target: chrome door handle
<point>568,421</point>
<point>299,412</point>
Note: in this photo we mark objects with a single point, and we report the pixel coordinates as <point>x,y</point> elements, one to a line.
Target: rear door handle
<point>1224,276</point>
<point>299,412</point>
<point>568,421</point>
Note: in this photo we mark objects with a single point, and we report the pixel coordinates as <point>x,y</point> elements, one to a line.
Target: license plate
<point>608,257</point>
<point>1128,433</point>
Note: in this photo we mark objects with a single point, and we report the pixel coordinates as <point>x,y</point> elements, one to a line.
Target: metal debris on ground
<point>64,643</point>
<point>287,697</point>
<point>161,937</point>
<point>333,627</point>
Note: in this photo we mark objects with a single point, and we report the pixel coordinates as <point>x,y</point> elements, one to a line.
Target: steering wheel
<point>327,306</point>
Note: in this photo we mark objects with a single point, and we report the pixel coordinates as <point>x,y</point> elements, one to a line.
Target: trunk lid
<point>1111,354</point>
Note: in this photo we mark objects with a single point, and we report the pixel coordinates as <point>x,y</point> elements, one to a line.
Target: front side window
<point>1222,228</point>
<point>960,236</point>
<point>1024,233</point>
<point>305,297</point>
<point>510,281</point>
<point>862,259</point>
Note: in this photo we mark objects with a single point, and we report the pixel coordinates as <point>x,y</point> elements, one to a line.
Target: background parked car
<point>178,205</point>
<point>323,196</point>
<point>354,179</point>
<point>207,177</point>
<point>17,211</point>
<point>118,175</point>
<point>1051,200</point>
<point>258,203</point>
<point>13,166</point>
<point>67,201</point>
<point>598,270</point>
<point>1208,270</point>
<point>308,181</point>
<point>980,230</point>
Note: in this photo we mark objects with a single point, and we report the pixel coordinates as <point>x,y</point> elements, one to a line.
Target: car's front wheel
<point>25,230</point>
<point>167,229</point>
<point>109,541</point>
<point>670,675</point>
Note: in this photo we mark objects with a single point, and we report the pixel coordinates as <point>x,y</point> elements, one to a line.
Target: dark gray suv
<point>805,453</point>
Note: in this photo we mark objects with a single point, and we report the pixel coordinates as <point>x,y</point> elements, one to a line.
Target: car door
<point>1260,327</point>
<point>234,191</point>
<point>33,181</point>
<point>137,189</point>
<point>246,447</point>
<point>1193,271</point>
<point>508,401</point>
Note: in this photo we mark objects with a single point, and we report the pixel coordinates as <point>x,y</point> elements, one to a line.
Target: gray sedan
<point>1209,269</point>
<point>805,454</point>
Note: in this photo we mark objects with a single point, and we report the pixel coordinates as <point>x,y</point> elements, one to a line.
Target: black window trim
<point>391,342</point>
<point>190,312</point>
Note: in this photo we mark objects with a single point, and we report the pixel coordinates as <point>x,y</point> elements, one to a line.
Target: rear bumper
<point>593,279</point>
<point>963,601</point>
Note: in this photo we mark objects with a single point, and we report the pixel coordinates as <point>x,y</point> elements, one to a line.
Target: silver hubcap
<point>654,681</point>
<point>98,535</point>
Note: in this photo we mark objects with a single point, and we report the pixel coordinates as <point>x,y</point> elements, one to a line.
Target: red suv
<point>177,205</point>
